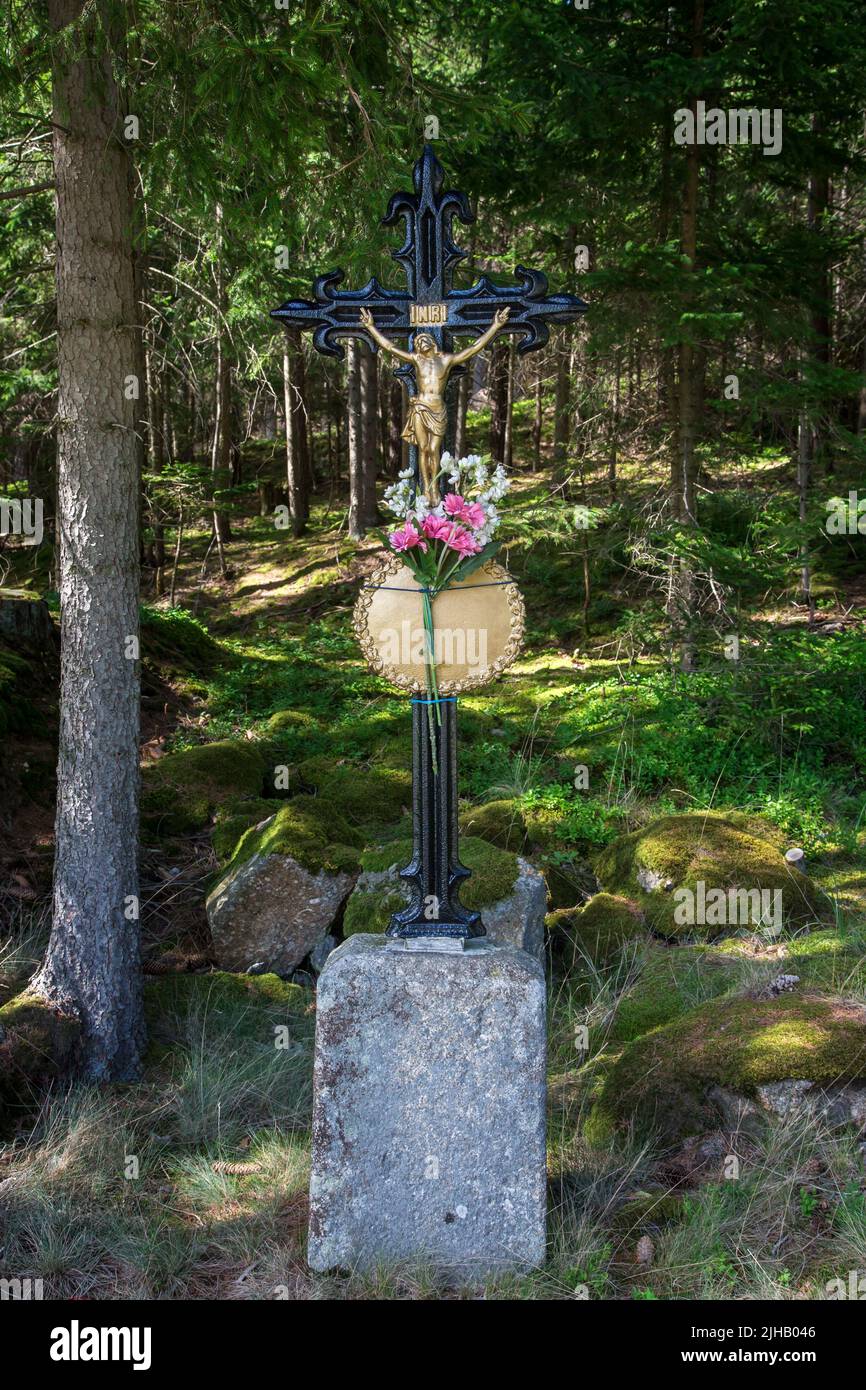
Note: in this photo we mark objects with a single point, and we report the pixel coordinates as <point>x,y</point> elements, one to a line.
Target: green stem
<point>430,664</point>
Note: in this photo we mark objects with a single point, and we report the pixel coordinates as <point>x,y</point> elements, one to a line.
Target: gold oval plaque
<point>478,628</point>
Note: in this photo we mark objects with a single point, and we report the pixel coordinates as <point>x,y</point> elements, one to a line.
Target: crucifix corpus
<point>436,629</point>
<point>429,1078</point>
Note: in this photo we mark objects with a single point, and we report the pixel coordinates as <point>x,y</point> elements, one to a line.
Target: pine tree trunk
<point>508,441</point>
<point>460,416</point>
<point>395,426</point>
<point>92,965</point>
<point>614,429</point>
<point>685,427</point>
<point>297,464</point>
<point>497,378</point>
<point>562,397</point>
<point>369,392</point>
<point>303,431</point>
<point>355,440</point>
<point>221,443</point>
<point>538,417</point>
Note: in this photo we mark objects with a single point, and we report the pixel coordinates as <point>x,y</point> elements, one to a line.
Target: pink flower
<point>472,513</point>
<point>462,542</point>
<point>406,538</point>
<point>437,528</point>
<point>440,528</point>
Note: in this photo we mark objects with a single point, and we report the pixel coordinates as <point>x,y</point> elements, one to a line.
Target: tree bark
<point>355,440</point>
<point>395,427</point>
<point>92,966</point>
<point>369,393</point>
<point>538,416</point>
<point>497,379</point>
<point>297,464</point>
<point>685,424</point>
<point>562,398</point>
<point>221,443</point>
<point>460,416</point>
<point>507,443</point>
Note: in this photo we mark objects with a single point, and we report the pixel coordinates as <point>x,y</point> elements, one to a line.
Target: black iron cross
<point>430,304</point>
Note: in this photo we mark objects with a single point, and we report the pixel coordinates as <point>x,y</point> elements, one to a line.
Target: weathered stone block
<point>429,1112</point>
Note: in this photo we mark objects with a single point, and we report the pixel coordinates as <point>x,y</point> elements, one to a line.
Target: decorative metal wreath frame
<point>366,641</point>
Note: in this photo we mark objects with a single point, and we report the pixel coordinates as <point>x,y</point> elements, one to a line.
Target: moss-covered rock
<point>368,796</point>
<point>284,887</point>
<point>292,720</point>
<point>379,891</point>
<point>597,930</point>
<point>499,822</point>
<point>174,640</point>
<point>828,960</point>
<point>240,1006</point>
<point>670,981</point>
<point>37,1041</point>
<point>234,819</point>
<point>678,862</point>
<point>661,1081</point>
<point>371,911</point>
<point>643,1211</point>
<point>309,829</point>
<point>182,790</point>
<point>543,826</point>
<point>173,994</point>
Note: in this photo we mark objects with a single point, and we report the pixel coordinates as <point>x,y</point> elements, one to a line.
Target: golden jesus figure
<point>427,418</point>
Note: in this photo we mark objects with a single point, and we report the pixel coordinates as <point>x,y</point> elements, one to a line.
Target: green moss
<point>493,875</point>
<point>392,854</point>
<point>371,912</point>
<point>500,822</point>
<point>36,1040</point>
<point>644,1210</point>
<point>246,1006</point>
<point>296,720</point>
<point>233,820</point>
<point>308,829</point>
<point>828,960</point>
<point>543,823</point>
<point>175,641</point>
<point>670,981</point>
<point>723,851</point>
<point>661,1081</point>
<point>369,796</point>
<point>171,993</point>
<point>599,929</point>
<point>181,791</point>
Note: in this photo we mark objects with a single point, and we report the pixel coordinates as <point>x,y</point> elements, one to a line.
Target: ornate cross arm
<point>532,308</point>
<point>334,313</point>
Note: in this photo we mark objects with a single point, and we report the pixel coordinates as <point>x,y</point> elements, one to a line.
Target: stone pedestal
<point>429,1112</point>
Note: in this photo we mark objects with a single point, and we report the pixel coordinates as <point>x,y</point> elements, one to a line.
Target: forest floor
<point>191,1183</point>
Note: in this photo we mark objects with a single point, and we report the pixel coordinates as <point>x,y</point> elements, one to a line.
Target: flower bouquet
<point>445,543</point>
